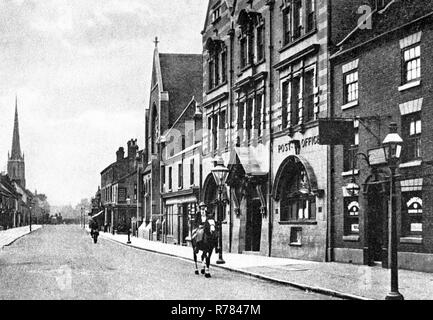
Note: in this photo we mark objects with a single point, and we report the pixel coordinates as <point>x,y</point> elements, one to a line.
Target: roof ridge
<point>180,54</point>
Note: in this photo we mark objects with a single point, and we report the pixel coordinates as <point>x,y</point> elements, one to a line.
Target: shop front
<point>180,209</point>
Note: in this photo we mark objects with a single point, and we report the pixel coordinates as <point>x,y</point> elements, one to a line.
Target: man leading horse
<point>204,238</point>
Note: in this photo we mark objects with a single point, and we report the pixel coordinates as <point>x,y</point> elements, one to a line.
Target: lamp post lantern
<point>220,173</point>
<point>392,146</point>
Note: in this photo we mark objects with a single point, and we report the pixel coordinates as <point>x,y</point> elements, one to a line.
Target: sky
<point>81,70</point>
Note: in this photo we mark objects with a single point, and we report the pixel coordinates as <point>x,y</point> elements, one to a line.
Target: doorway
<point>377,218</point>
<point>253,226</point>
<point>185,223</point>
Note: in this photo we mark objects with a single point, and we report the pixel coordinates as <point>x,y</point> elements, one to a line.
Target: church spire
<point>16,147</point>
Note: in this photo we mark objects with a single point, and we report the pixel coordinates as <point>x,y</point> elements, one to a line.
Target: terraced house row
<point>295,97</point>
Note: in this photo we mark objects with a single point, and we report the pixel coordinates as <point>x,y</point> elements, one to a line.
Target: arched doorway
<point>210,194</point>
<point>376,197</point>
<point>248,188</point>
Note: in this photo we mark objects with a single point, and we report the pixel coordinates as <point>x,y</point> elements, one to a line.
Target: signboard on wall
<point>334,132</point>
<point>377,157</point>
<point>122,195</point>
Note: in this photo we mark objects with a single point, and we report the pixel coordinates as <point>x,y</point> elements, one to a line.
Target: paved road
<point>61,262</point>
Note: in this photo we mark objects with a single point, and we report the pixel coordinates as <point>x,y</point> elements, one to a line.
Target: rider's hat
<point>202,205</point>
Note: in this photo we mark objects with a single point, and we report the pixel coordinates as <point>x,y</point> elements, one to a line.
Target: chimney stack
<point>120,154</point>
<point>132,148</point>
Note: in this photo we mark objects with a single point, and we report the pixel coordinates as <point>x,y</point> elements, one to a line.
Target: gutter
<point>342,52</point>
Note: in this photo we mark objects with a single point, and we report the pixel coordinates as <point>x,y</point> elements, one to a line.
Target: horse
<point>206,246</point>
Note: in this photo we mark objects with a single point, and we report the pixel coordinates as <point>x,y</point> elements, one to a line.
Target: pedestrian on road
<point>93,225</point>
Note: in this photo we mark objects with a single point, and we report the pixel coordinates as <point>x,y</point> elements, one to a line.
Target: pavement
<point>346,281</point>
<point>7,237</point>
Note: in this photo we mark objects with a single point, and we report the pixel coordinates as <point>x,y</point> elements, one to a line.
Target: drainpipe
<point>329,255</point>
<point>231,54</point>
<point>270,4</point>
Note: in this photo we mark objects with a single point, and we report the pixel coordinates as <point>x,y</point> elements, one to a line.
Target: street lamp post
<point>392,146</point>
<point>128,202</point>
<point>30,210</point>
<point>220,173</point>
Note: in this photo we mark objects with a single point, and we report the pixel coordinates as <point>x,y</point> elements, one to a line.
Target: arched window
<point>155,130</point>
<point>412,214</point>
<point>217,62</point>
<point>351,216</point>
<point>296,199</point>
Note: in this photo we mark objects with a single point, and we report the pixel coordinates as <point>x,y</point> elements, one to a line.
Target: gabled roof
<point>397,14</point>
<point>231,5</point>
<point>182,78</point>
<point>193,102</point>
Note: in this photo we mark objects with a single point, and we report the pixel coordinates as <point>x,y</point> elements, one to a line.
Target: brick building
<point>176,78</point>
<point>9,198</point>
<point>265,83</point>
<point>120,190</point>
<point>181,173</point>
<point>380,75</point>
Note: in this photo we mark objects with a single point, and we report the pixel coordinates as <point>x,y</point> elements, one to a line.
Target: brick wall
<point>379,80</point>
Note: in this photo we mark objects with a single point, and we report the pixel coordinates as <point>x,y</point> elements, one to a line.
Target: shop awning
<point>98,214</point>
<point>252,164</point>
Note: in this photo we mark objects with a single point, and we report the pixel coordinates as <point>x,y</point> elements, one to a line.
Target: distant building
<point>16,164</point>
<point>9,198</point>
<point>17,174</point>
<point>119,190</point>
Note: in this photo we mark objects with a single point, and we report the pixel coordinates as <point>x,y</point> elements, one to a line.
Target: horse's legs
<point>195,261</point>
<point>209,254</point>
<point>203,262</point>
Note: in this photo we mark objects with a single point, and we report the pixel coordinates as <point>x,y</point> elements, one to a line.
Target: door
<point>253,227</point>
<point>185,226</point>
<point>377,215</point>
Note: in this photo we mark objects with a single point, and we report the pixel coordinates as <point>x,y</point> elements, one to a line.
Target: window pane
<point>351,87</point>
<point>412,128</point>
<point>309,96</point>
<point>418,127</point>
<point>296,87</point>
<point>418,51</point>
<point>285,104</point>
